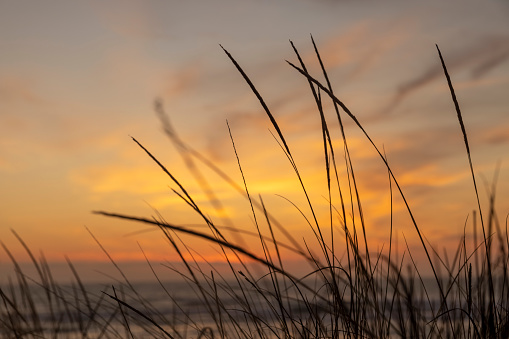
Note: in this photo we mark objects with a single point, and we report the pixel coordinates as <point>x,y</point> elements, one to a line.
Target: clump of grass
<point>363,294</point>
<point>368,294</point>
<point>40,307</point>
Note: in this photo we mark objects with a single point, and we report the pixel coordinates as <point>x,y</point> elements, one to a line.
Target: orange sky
<point>76,80</point>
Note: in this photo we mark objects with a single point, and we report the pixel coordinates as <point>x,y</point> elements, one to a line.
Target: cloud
<point>479,58</point>
<point>17,90</point>
<point>117,178</point>
<point>254,126</point>
<point>358,48</point>
<point>495,52</point>
<point>430,175</point>
<point>496,135</point>
<point>187,78</point>
<point>133,19</point>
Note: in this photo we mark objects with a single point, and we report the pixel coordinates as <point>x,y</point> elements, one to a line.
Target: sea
<point>144,310</point>
<point>169,309</point>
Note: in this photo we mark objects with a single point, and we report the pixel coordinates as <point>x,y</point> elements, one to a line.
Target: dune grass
<point>363,294</point>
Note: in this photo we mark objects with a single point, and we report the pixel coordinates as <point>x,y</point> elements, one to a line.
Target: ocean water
<point>182,309</point>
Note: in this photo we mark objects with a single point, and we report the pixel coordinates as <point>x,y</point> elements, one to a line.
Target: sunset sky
<point>77,79</point>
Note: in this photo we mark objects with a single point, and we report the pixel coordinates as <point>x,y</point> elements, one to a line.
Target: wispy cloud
<point>478,58</point>
<point>112,178</point>
<point>361,46</point>
<point>19,90</point>
<point>496,135</point>
<point>185,79</point>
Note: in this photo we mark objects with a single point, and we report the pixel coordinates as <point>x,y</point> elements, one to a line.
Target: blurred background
<point>78,79</point>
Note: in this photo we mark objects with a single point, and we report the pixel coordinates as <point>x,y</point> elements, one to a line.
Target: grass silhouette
<point>368,294</point>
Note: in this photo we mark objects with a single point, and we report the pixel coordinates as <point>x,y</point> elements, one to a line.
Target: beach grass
<point>351,290</point>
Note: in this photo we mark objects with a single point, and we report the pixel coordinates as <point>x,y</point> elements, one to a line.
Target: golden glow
<point>70,97</point>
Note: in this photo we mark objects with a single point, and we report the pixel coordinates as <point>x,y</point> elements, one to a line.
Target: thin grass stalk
<point>188,159</point>
<point>191,272</point>
<point>325,137</point>
<point>188,197</point>
<point>276,126</point>
<point>206,278</point>
<point>180,144</point>
<point>80,283</point>
<point>139,313</point>
<point>348,161</point>
<point>276,284</point>
<point>25,293</point>
<point>463,131</point>
<point>326,144</point>
<point>340,103</point>
<point>174,302</point>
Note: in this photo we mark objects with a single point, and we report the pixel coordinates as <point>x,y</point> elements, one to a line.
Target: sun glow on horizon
<point>73,92</point>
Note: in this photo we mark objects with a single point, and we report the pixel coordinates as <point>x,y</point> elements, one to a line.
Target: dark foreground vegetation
<point>363,294</point>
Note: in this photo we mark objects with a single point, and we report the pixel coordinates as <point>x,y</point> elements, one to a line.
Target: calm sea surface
<point>178,307</point>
